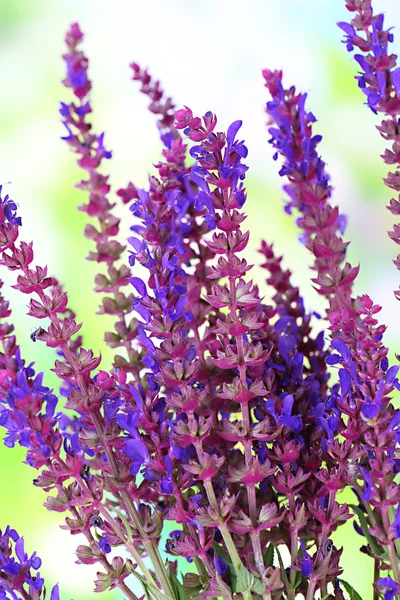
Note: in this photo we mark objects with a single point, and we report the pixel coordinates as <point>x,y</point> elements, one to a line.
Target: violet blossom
<point>19,575</point>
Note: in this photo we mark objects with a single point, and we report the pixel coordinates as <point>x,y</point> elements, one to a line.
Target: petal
<point>232,131</point>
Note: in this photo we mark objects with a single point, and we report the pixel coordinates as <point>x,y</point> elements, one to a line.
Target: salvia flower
<point>227,428</point>
<point>19,573</point>
<point>379,80</point>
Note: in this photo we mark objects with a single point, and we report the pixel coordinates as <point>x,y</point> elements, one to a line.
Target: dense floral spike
<point>309,189</point>
<point>281,374</point>
<point>166,251</point>
<point>379,80</point>
<point>19,573</point>
<point>237,524</point>
<point>220,164</point>
<point>366,381</point>
<point>292,313</point>
<point>94,456</point>
<point>91,153</point>
<point>322,426</point>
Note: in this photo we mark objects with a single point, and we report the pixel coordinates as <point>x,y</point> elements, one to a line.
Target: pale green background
<point>209,55</point>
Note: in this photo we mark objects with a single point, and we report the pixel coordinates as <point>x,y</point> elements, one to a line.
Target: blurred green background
<point>209,56</point>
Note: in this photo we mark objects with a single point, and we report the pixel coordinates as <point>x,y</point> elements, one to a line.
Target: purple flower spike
<point>19,576</point>
<point>380,81</point>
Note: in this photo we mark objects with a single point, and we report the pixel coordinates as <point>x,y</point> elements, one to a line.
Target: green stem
<point>229,543</point>
<point>397,540</point>
<point>291,594</point>
<point>128,593</point>
<point>394,562</point>
<point>135,554</point>
<point>311,590</point>
<point>294,541</point>
<point>391,549</point>
<point>258,555</point>
<point>376,594</point>
<point>151,548</point>
<point>324,591</point>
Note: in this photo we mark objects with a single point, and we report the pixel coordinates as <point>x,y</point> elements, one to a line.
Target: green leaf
<point>246,582</point>
<point>156,594</point>
<point>350,590</point>
<point>269,556</point>
<point>152,593</point>
<point>139,577</point>
<point>258,586</point>
<point>219,551</point>
<point>126,525</point>
<point>283,570</point>
<point>376,549</point>
<point>177,586</point>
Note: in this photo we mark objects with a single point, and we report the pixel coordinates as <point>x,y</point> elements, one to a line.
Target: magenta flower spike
<point>365,379</point>
<point>91,154</point>
<point>379,80</point>
<point>209,459</point>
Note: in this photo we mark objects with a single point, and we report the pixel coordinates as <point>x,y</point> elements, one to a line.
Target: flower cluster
<point>91,153</point>
<point>231,422</point>
<point>19,574</point>
<point>379,80</point>
<point>367,420</point>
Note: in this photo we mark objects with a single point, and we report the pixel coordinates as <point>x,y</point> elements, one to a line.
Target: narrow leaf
<point>283,570</point>
<point>177,586</point>
<point>126,525</point>
<point>269,556</point>
<point>350,590</point>
<point>156,594</point>
<point>364,526</point>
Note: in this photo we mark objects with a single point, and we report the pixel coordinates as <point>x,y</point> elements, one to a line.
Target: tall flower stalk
<point>108,250</point>
<point>379,80</point>
<point>366,381</point>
